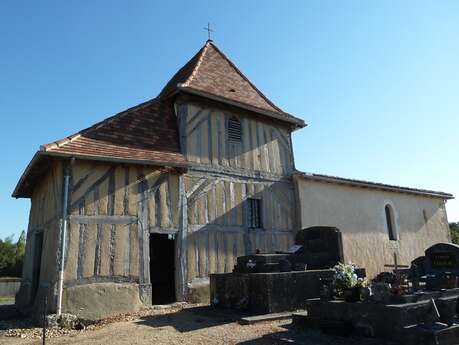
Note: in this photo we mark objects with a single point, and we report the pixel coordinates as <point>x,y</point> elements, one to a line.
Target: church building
<point>141,207</point>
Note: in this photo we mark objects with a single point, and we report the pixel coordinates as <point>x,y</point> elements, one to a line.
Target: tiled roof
<point>145,134</point>
<point>211,73</point>
<point>374,185</point>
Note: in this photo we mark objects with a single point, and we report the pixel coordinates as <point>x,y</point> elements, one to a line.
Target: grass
<point>6,299</point>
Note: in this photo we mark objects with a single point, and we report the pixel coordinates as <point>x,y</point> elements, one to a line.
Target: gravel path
<point>189,325</point>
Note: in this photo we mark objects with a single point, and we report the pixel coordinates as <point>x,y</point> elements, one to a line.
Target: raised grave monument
<point>266,283</point>
<point>422,313</point>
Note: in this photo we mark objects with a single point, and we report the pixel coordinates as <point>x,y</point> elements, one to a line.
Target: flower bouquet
<point>347,285</point>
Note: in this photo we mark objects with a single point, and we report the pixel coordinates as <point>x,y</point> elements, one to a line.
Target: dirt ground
<point>186,325</point>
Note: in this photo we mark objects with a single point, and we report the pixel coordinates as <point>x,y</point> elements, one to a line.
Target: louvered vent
<point>234,130</point>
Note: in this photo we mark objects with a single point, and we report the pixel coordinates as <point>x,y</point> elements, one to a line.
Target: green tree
<point>20,253</point>
<point>454,230</point>
<point>7,256</point>
<point>12,256</point>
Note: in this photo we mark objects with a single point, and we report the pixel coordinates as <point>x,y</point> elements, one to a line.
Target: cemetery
<point>283,281</point>
<point>409,304</point>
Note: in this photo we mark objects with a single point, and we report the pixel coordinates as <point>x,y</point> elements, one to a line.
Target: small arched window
<point>390,222</point>
<point>234,130</point>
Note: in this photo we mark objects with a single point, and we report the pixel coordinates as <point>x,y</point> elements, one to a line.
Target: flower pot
<point>352,294</point>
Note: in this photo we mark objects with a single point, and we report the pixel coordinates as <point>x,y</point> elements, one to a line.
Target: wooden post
<point>183,229</point>
<point>45,306</point>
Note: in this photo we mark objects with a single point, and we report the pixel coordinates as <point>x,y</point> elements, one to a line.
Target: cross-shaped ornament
<point>209,30</point>
<point>396,266</point>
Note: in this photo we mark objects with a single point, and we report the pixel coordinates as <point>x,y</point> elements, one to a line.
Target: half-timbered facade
<point>154,199</point>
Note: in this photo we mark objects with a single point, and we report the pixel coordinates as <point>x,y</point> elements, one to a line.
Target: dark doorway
<point>162,268</point>
<point>37,251</point>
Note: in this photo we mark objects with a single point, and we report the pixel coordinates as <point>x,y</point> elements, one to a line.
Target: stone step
<point>301,320</point>
<point>249,320</point>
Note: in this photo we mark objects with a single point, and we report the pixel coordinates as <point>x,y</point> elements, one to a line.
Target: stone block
<point>199,291</point>
<point>99,300</point>
<point>265,293</point>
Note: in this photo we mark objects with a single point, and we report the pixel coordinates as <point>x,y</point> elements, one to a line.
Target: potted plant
<point>347,285</point>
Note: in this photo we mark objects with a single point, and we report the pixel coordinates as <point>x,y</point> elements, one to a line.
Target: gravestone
<point>316,248</point>
<point>442,258</point>
<point>439,267</point>
<point>322,247</point>
<point>442,266</point>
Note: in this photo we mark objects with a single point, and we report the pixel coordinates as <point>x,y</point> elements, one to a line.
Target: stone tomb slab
<point>408,323</point>
<point>265,293</point>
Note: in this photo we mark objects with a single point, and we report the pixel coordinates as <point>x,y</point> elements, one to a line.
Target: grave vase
<point>352,294</point>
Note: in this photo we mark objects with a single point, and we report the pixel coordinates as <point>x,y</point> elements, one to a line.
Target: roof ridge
<point>203,51</point>
<point>382,185</point>
<point>245,78</point>
<point>172,83</point>
<point>108,120</point>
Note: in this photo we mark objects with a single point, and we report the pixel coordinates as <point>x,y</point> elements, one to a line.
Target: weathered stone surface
<point>264,293</point>
<point>322,246</point>
<point>199,291</point>
<point>99,300</point>
<point>407,324</point>
<point>385,319</point>
<point>250,320</point>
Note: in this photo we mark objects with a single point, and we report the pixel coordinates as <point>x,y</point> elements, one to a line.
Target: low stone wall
<point>100,300</point>
<point>9,286</point>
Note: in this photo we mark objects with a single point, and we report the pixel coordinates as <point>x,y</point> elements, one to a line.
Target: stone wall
<point>9,286</point>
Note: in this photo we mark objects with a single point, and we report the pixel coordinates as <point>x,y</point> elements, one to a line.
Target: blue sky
<point>377,82</point>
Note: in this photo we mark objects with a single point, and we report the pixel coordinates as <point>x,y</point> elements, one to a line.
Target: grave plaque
<point>443,260</point>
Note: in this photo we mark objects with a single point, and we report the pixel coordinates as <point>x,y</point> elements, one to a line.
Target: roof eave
<point>374,185</point>
<point>119,159</point>
<point>294,121</point>
<point>16,193</point>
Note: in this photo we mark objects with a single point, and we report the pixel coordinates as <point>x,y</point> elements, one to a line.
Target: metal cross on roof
<point>209,30</point>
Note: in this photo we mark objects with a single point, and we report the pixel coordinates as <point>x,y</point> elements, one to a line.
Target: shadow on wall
<point>218,234</point>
